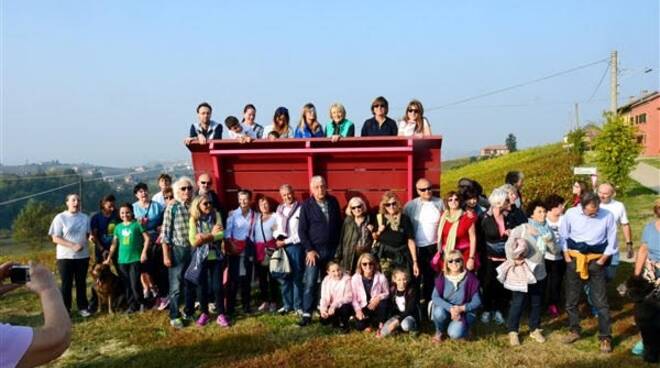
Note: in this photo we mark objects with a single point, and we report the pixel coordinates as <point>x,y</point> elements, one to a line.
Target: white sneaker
<point>485,317</point>
<point>84,313</point>
<point>299,312</point>
<point>499,319</point>
<point>212,308</point>
<point>263,307</point>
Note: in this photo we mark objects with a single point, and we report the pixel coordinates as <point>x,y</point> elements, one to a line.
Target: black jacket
<point>317,233</point>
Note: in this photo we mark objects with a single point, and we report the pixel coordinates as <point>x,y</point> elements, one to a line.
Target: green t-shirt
<point>129,241</point>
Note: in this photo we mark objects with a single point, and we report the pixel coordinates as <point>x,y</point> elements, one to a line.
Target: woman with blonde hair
<point>205,233</point>
<point>309,126</point>
<point>339,126</point>
<point>370,294</point>
<point>355,236</point>
<point>413,123</point>
<point>455,299</point>
<point>395,236</point>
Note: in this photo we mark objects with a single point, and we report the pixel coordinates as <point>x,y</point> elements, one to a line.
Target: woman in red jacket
<point>457,231</point>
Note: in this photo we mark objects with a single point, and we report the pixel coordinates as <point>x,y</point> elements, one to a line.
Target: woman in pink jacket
<point>370,293</point>
<point>336,298</point>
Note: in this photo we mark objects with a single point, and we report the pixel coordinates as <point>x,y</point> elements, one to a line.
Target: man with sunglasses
<point>177,250</point>
<point>205,187</point>
<point>318,228</point>
<point>380,124</point>
<point>424,213</point>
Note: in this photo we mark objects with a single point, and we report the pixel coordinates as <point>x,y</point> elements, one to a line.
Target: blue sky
<point>116,82</point>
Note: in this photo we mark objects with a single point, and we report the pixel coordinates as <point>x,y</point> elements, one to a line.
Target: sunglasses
<point>413,110</point>
<point>453,199</point>
<point>205,204</point>
<point>455,260</point>
<point>391,204</point>
<point>205,182</point>
<point>356,207</point>
<point>186,189</point>
<point>367,264</point>
<point>377,106</point>
<point>424,190</point>
<point>167,198</point>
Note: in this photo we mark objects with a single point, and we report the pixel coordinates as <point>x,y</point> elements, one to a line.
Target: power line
<point>500,90</point>
<point>69,185</point>
<point>602,78</point>
<point>37,194</point>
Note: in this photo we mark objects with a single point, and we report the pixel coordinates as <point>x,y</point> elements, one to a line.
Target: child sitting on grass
<point>403,301</point>
<point>336,298</point>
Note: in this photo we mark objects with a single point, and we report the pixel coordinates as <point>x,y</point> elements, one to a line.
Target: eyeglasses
<point>378,105</point>
<point>188,188</point>
<point>424,190</point>
<point>452,199</point>
<point>391,204</point>
<point>413,110</point>
<point>205,182</point>
<point>364,264</point>
<point>455,260</point>
<point>356,207</point>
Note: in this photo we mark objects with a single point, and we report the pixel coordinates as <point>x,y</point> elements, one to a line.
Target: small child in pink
<point>336,297</point>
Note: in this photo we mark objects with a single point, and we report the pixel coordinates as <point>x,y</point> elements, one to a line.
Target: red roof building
<point>644,113</point>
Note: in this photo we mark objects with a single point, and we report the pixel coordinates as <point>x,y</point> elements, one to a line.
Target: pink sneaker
<point>203,320</point>
<point>222,321</point>
<point>553,311</point>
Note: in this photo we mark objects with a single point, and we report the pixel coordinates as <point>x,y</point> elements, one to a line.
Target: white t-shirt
<point>73,227</point>
<point>158,197</point>
<point>618,211</point>
<point>407,129</point>
<point>400,302</point>
<point>554,226</point>
<point>427,229</point>
<point>14,342</point>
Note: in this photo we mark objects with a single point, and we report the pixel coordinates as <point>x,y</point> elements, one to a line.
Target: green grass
<point>146,340</point>
<point>655,162</point>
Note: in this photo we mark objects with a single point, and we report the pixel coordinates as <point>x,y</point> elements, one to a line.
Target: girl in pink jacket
<point>370,294</point>
<point>336,298</point>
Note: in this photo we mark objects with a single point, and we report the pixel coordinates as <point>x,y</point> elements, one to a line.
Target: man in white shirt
<point>424,213</point>
<point>606,193</point>
<point>288,214</point>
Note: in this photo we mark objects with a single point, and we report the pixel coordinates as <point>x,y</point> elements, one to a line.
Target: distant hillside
<point>547,169</point>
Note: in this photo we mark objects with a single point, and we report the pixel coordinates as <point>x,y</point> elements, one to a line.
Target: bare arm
<point>113,249</point>
<point>627,232</point>
<point>642,255</point>
<point>53,338</point>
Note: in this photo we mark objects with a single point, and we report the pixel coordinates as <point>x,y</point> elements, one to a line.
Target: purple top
<point>14,342</point>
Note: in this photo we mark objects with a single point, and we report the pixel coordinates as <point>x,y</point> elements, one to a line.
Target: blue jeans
<point>310,281</point>
<point>180,261</point>
<point>455,329</point>
<point>292,285</point>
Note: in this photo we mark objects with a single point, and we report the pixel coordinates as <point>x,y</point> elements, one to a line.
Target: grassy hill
<point>547,169</point>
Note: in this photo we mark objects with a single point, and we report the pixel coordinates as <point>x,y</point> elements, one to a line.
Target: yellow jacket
<point>582,262</point>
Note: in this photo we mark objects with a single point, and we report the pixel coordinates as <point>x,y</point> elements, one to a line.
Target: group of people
<point>412,123</point>
<point>428,260</point>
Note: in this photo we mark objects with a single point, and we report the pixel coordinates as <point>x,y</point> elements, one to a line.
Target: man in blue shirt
<point>588,238</point>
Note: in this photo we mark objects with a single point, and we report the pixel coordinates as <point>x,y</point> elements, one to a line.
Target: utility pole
<point>577,117</point>
<point>614,87</point>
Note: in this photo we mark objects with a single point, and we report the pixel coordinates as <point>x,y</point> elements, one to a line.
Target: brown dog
<point>107,286</point>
